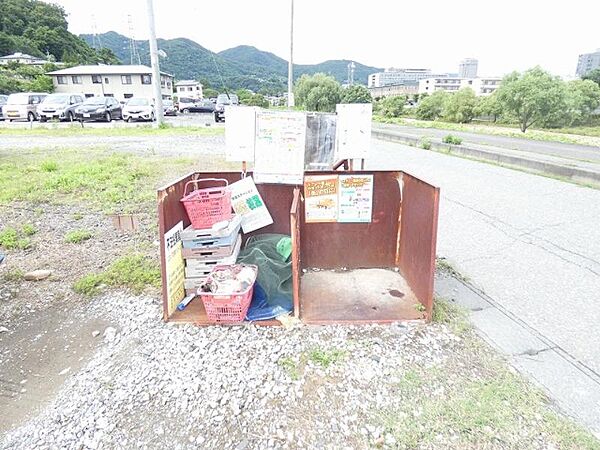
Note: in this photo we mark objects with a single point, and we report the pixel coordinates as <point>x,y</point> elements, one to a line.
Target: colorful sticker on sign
<point>356,198</point>
<point>321,198</point>
<point>175,267</point>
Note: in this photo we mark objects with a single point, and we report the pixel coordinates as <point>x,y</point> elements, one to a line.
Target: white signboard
<point>247,203</point>
<point>353,130</point>
<point>280,145</point>
<point>240,133</point>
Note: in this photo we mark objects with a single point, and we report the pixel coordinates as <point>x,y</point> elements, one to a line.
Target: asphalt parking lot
<point>181,120</point>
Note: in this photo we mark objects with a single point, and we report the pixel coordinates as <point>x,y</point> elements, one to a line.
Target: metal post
<point>291,102</point>
<point>158,104</point>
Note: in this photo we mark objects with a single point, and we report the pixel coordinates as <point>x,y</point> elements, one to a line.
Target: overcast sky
<point>504,35</point>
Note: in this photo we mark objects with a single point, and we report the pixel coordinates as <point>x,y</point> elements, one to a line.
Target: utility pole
<point>291,63</point>
<point>158,104</point>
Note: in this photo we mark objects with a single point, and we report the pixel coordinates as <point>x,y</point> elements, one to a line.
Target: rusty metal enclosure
<point>400,242</point>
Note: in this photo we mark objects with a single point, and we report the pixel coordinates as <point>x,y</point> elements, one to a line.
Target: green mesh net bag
<point>270,252</point>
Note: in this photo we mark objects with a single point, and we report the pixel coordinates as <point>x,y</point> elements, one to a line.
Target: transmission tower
<point>96,42</point>
<point>133,51</point>
<point>351,67</point>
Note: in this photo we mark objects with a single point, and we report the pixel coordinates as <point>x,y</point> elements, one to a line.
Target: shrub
<point>454,140</point>
<point>391,106</point>
<point>425,144</point>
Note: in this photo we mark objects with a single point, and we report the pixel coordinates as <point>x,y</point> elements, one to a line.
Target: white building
<point>189,89</point>
<point>481,86</point>
<point>394,90</point>
<point>394,76</point>
<point>121,82</point>
<point>588,62</point>
<point>468,68</point>
<point>22,58</point>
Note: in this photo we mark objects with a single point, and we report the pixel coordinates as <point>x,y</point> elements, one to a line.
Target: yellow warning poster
<point>321,198</point>
<point>175,267</point>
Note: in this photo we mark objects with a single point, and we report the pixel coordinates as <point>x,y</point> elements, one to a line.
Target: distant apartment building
<point>588,62</point>
<point>468,68</point>
<point>394,90</point>
<point>22,58</point>
<point>121,82</point>
<point>481,86</point>
<point>393,76</point>
<point>189,89</point>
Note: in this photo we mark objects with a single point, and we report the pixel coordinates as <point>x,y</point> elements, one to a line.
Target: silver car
<point>139,108</point>
<point>59,107</point>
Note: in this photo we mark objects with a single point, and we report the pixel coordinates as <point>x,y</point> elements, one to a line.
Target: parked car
<point>169,108</point>
<point>222,101</point>
<point>187,105</point>
<point>3,99</point>
<point>139,108</point>
<point>59,107</point>
<point>99,108</point>
<point>23,105</point>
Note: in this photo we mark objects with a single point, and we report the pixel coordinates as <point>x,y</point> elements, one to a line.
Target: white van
<point>23,105</point>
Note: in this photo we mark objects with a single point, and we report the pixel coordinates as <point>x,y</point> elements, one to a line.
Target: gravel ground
<point>153,385</point>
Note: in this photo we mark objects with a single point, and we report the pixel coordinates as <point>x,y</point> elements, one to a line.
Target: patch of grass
<point>452,315</point>
<point>136,272</point>
<point>111,182</point>
<point>77,216</point>
<point>28,229</point>
<point>49,166</point>
<point>10,239</point>
<point>450,139</point>
<point>142,130</point>
<point>326,358</point>
<point>499,410</point>
<point>13,275</point>
<point>78,236</point>
<point>443,265</point>
<point>291,367</point>
<point>425,144</point>
<point>419,307</point>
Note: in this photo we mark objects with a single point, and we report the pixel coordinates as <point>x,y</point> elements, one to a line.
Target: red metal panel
<point>295,233</point>
<point>418,236</point>
<point>357,245</point>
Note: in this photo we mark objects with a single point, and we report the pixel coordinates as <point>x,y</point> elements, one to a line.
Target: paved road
<point>531,243</point>
<point>572,151</point>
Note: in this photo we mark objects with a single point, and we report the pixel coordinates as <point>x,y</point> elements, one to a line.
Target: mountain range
<point>238,67</point>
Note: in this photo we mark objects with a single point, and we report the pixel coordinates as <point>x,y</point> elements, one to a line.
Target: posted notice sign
<point>247,203</point>
<point>321,198</point>
<point>175,267</point>
<point>338,198</point>
<point>356,198</point>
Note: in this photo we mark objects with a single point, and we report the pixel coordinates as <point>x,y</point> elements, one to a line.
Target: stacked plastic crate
<point>205,249</point>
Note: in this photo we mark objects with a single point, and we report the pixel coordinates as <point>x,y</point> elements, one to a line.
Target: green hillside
<point>40,29</point>
<point>239,67</point>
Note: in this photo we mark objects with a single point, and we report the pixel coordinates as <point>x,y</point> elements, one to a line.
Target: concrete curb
<point>571,384</point>
<point>574,174</point>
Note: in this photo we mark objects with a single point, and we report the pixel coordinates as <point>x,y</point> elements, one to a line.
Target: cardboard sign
<point>321,198</point>
<point>240,133</point>
<point>355,198</point>
<point>280,145</point>
<point>247,203</point>
<point>175,266</point>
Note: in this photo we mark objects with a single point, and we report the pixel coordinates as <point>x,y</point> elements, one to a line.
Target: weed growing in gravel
<point>290,367</point>
<point>28,229</point>
<point>326,358</point>
<point>425,144</point>
<point>443,265</point>
<point>78,236</point>
<point>135,272</point>
<point>10,239</point>
<point>77,216</point>
<point>13,275</point>
<point>452,315</point>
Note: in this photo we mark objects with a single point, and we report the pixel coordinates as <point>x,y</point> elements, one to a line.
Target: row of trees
<point>23,78</point>
<point>534,97</point>
<point>320,92</point>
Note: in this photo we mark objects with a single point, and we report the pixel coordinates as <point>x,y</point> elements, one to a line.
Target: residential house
<point>119,81</point>
<point>189,89</point>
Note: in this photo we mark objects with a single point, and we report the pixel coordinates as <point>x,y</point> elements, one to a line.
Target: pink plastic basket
<point>207,206</point>
<point>228,308</point>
